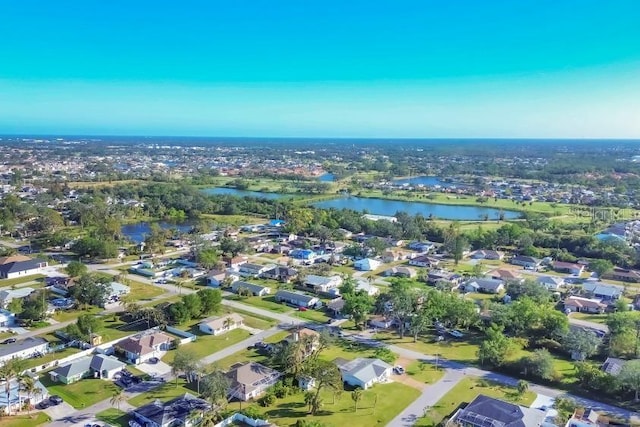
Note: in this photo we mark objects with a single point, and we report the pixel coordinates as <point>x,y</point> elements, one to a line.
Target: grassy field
<point>234,220</point>
<point>65,315</point>
<point>19,280</point>
<point>143,292</point>
<point>25,420</point>
<point>312,315</point>
<point>378,406</point>
<point>83,393</point>
<point>114,417</point>
<point>165,392</point>
<point>596,318</point>
<point>464,392</point>
<point>251,319</point>
<point>49,357</point>
<point>209,344</point>
<point>457,350</point>
<point>268,303</point>
<point>424,372</point>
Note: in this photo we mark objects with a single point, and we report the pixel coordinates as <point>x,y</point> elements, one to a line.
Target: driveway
<point>155,369</point>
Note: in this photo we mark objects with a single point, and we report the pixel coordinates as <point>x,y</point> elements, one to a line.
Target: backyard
<point>209,344</point>
<point>83,393</point>
<point>25,420</point>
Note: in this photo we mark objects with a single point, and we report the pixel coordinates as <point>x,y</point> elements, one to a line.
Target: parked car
<point>55,399</point>
<point>456,333</point>
<point>8,341</point>
<point>44,404</point>
<point>398,370</point>
<point>302,308</point>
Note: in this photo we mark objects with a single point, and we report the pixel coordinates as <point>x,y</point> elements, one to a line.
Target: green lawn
<point>251,319</point>
<point>141,291</point>
<point>83,393</point>
<point>24,420</point>
<point>596,318</point>
<point>424,372</point>
<point>18,280</point>
<point>378,406</point>
<point>164,392</point>
<point>268,303</point>
<point>114,417</point>
<point>49,357</point>
<point>312,315</point>
<point>452,349</point>
<point>66,315</point>
<point>464,392</point>
<point>209,344</point>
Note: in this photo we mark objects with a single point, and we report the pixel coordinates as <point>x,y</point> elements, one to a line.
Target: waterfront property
<point>487,411</point>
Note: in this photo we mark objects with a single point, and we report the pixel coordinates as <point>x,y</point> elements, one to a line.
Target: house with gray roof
<point>602,290</point>
<point>91,366</point>
<point>185,410</point>
<point>19,266</point>
<point>297,299</point>
<point>8,295</point>
<point>613,365</point>
<point>24,349</point>
<point>485,411</point>
<point>552,283</point>
<point>256,290</point>
<point>321,283</point>
<point>489,286</point>
<point>363,372</point>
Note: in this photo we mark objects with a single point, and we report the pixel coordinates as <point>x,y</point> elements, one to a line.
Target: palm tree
<point>227,323</point>
<point>28,385</point>
<point>522,387</point>
<point>117,398</point>
<point>8,372</point>
<point>308,399</point>
<point>356,396</point>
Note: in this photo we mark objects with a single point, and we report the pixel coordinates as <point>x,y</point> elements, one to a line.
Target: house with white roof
<point>366,264</point>
<point>363,372</point>
<point>222,324</point>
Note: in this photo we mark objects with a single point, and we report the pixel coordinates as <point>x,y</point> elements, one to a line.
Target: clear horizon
<point>409,69</point>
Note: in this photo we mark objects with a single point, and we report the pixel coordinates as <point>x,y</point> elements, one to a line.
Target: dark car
<point>44,404</point>
<point>55,399</point>
<point>8,341</point>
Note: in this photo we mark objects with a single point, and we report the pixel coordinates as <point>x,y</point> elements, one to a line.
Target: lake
<point>327,177</point>
<point>138,231</point>
<point>390,207</point>
<point>241,193</point>
<point>430,181</point>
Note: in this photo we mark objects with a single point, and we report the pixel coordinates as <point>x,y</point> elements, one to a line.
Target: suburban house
<point>303,254</point>
<point>424,261</point>
<point>8,295</point>
<point>312,337</point>
<point>583,305</point>
<point>436,276</point>
<point>602,290</point>
<point>486,254</point>
<point>13,397</point>
<point>550,282</point>
<point>487,411</point>
<point>256,290</point>
<point>366,264</point>
<point>297,299</point>
<point>235,262</point>
<point>222,324</point>
<point>381,322</point>
<point>391,256</point>
<point>421,246</point>
<point>7,318</point>
<point>528,262</point>
<point>217,277</point>
<point>568,267</point>
<point>281,273</point>
<point>185,410</point>
<point>20,265</point>
<point>367,288</point>
<point>622,275</point>
<point>140,348</point>
<point>321,283</point>
<point>588,418</point>
<point>116,290</point>
<point>363,372</point>
<point>400,272</point>
<point>335,306</point>
<point>504,274</point>
<point>613,365</point>
<point>487,286</point>
<point>91,366</point>
<point>24,349</point>
<point>252,270</point>
<point>249,380</point>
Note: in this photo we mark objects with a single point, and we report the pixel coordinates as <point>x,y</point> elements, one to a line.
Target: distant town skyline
<point>370,69</point>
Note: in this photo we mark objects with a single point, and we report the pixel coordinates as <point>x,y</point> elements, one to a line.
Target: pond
<point>241,193</point>
<point>327,177</point>
<point>390,207</point>
<point>138,231</point>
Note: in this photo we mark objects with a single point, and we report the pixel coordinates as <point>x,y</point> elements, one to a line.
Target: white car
<point>456,333</point>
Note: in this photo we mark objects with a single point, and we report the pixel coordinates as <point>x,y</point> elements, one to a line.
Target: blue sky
<point>455,68</point>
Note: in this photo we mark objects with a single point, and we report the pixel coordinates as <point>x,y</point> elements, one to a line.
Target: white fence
<point>238,417</point>
<point>187,336</point>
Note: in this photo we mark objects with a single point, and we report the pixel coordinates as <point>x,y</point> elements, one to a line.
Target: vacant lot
<point>83,393</point>
<point>209,344</point>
